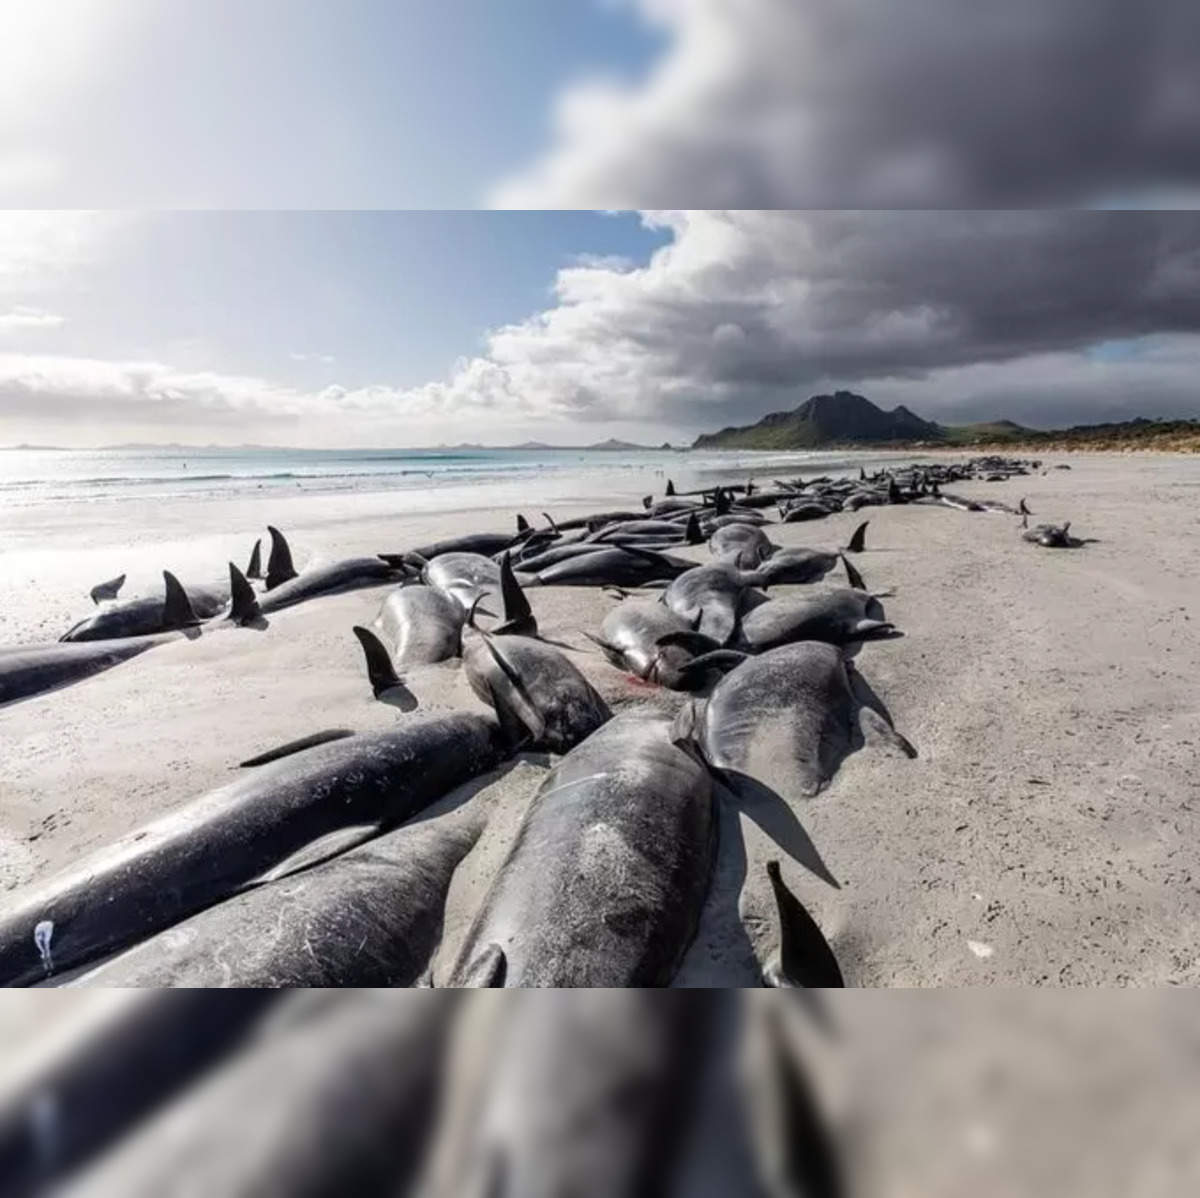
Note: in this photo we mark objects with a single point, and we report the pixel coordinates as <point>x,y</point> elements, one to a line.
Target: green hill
<point>846,419</point>
<point>825,420</point>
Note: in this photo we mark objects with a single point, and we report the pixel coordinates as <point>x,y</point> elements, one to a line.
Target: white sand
<point>1050,819</point>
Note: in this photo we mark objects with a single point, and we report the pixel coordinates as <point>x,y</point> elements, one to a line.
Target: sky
<point>411,328</point>
<point>599,103</point>
<point>979,211</point>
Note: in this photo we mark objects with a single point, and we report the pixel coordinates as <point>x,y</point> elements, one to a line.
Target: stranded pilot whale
<point>605,882</point>
<point>369,917</point>
<point>291,813</point>
<point>342,1090</point>
<point>844,617</point>
<point>285,587</point>
<point>538,695</point>
<point>650,641</point>
<point>785,720</point>
<point>27,670</point>
<point>184,606</point>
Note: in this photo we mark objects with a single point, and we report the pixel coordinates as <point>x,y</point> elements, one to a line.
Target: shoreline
<point>1042,836</point>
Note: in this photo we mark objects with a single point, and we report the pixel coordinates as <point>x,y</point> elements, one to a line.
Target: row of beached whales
<point>308,872</point>
<point>357,1093</point>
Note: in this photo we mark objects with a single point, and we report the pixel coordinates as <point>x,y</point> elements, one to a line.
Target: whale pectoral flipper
<point>295,746</point>
<point>611,652</point>
<point>876,727</point>
<point>324,848</point>
<point>380,671</point>
<point>693,673</point>
<point>804,958</point>
<point>518,700</point>
<point>695,642</point>
<point>177,607</point>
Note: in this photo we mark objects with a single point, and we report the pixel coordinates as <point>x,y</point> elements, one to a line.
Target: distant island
<point>611,444</point>
<point>845,419</point>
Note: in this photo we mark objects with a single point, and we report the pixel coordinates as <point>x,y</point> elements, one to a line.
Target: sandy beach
<point>1043,835</point>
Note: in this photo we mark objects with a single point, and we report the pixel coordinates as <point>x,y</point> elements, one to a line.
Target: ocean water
<point>436,479</point>
<point>71,518</point>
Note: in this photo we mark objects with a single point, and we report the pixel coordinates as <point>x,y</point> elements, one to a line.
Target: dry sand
<point>1044,834</point>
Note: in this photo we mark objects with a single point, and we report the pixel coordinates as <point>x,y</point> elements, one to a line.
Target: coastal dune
<point>1045,832</point>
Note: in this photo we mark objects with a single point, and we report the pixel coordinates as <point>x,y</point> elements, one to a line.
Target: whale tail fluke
<point>380,671</point>
<point>243,606</point>
<point>279,565</point>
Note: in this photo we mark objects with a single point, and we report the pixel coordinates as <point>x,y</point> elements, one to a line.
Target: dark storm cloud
<point>871,103</point>
<point>746,312</point>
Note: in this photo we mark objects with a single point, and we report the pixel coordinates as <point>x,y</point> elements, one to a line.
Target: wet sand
<point>1045,833</point>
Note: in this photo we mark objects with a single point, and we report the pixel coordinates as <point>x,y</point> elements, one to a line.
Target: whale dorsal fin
<point>522,523</point>
<point>691,531</point>
<point>380,671</point>
<point>177,609</point>
<point>254,569</point>
<point>858,541</point>
<point>854,578</point>
<point>243,606</point>
<point>279,565</point>
<point>517,614</point>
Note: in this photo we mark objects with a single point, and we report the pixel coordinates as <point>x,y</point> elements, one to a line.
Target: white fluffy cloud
<point>860,104</point>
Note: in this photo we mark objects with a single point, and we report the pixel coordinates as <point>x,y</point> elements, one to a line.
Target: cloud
<point>21,319</point>
<point>848,104</point>
<point>38,245</point>
<point>746,312</point>
<point>324,359</point>
<point>1044,317</point>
